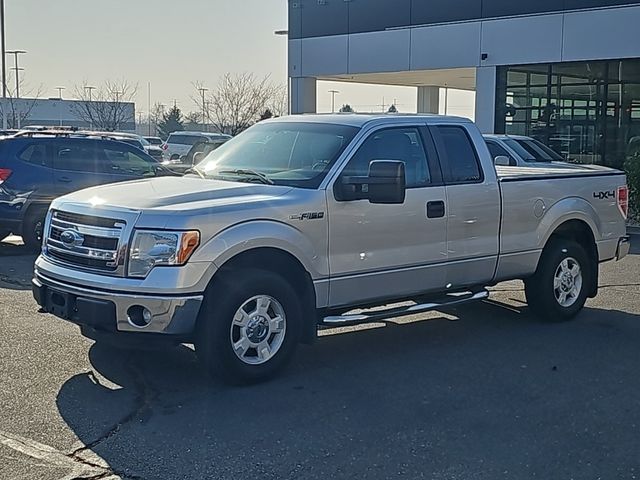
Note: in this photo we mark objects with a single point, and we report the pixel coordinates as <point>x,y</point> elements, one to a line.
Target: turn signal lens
<point>188,244</point>
<point>4,174</point>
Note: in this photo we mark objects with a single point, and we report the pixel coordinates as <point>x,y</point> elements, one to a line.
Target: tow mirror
<point>385,184</point>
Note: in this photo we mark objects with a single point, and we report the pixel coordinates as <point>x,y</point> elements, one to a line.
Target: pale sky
<point>170,44</point>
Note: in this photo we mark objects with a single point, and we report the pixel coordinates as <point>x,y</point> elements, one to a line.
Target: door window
<point>76,157</point>
<point>400,144</point>
<point>461,160</point>
<point>125,162</point>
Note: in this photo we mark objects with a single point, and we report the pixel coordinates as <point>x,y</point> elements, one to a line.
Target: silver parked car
<point>179,143</point>
<point>520,151</point>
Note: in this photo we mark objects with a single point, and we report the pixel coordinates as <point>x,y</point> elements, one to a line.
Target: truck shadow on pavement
<point>402,398</point>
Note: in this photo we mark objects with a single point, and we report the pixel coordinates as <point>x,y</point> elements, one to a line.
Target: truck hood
<point>174,193</point>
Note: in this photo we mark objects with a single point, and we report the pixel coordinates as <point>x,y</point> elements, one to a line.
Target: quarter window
<point>36,153</point>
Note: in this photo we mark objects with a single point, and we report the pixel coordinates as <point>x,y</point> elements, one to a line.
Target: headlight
<point>153,248</point>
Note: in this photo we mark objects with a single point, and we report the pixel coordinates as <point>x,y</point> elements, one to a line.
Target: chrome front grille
<point>87,241</point>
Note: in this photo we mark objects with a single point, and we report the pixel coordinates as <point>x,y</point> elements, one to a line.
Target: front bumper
<point>112,312</point>
<point>624,247</point>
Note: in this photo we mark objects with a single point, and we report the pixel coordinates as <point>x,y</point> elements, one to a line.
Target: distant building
<point>54,112</point>
<point>566,72</point>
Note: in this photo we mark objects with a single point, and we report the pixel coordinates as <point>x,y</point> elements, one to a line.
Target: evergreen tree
<point>172,121</point>
<point>347,109</point>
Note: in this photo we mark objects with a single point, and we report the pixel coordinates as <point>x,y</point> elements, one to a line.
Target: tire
<point>33,229</point>
<point>559,288</point>
<point>221,325</point>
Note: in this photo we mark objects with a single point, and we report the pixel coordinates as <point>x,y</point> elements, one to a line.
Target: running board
<point>377,315</point>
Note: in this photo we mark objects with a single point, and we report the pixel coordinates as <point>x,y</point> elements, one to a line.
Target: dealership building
<point>564,71</point>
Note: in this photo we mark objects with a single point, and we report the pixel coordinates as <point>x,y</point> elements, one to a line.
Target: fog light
<point>139,316</point>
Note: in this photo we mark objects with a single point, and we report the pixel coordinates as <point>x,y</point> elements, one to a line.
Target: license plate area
<point>60,304</point>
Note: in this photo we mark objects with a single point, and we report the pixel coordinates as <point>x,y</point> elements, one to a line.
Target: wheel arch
<point>285,264</point>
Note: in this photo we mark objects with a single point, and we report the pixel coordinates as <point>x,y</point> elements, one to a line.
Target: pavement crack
<point>142,404</point>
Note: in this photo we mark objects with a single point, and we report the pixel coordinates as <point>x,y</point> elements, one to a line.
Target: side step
<point>377,315</point>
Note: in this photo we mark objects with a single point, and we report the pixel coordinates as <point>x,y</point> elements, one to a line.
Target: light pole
<point>17,68</point>
<point>285,33</point>
<point>333,100</point>
<point>89,89</point>
<point>202,91</point>
<point>4,52</point>
<point>60,89</point>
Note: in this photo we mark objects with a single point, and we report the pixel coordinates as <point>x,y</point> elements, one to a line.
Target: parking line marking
<point>48,454</point>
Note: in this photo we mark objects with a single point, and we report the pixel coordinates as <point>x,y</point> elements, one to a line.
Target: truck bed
<point>532,210</point>
<point>554,170</point>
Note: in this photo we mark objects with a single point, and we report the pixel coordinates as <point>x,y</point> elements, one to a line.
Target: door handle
<point>435,209</point>
<point>64,179</point>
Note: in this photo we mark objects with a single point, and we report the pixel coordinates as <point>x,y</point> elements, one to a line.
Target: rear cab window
<point>458,155</point>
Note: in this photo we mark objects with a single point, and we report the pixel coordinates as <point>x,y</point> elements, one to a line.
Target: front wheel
<point>559,288</point>
<point>249,326</point>
<point>33,229</point>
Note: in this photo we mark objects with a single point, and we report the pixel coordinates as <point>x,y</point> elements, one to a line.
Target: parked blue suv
<point>37,167</point>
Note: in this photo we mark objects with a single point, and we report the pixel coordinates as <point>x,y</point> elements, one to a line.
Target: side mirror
<point>502,160</point>
<point>385,184</point>
<point>198,157</point>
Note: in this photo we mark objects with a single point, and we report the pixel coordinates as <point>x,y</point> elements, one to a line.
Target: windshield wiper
<point>248,173</point>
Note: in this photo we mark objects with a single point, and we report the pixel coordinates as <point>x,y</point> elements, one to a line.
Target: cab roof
<point>362,119</point>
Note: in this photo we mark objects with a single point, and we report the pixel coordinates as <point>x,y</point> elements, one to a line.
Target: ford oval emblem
<point>71,238</point>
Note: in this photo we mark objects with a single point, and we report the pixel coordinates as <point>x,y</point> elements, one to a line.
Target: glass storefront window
<point>588,112</point>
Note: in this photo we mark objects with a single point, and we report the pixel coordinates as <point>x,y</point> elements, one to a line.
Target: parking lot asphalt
<point>481,392</point>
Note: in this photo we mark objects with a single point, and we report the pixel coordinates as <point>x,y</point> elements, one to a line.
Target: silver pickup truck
<point>311,221</point>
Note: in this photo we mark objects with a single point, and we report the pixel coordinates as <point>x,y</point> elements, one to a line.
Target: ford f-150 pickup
<point>323,220</point>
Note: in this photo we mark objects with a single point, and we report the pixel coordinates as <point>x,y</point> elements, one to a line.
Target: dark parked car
<point>37,167</point>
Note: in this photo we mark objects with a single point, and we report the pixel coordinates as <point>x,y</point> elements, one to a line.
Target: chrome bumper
<point>110,312</point>
<point>624,246</point>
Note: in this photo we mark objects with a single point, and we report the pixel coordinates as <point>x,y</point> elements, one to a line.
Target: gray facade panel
<point>318,18</point>
<point>367,16</point>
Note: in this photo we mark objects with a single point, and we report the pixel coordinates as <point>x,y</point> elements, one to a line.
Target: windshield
<point>532,150</point>
<point>288,153</point>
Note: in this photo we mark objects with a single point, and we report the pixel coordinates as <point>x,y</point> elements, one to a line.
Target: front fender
<point>265,234</point>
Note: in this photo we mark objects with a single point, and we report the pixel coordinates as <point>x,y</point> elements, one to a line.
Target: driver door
<point>389,251</point>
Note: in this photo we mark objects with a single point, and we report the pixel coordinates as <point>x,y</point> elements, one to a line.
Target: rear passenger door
<point>473,207</point>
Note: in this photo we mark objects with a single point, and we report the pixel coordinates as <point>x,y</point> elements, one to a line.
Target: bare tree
<point>279,104</point>
<point>238,101</point>
<point>107,107</point>
<point>17,111</point>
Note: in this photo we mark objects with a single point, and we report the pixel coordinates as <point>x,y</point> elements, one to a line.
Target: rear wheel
<point>33,229</point>
<point>559,288</point>
<point>249,326</point>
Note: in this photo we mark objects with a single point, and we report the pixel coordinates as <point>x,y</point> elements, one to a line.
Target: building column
<point>486,82</point>
<point>429,100</point>
<point>303,95</point>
